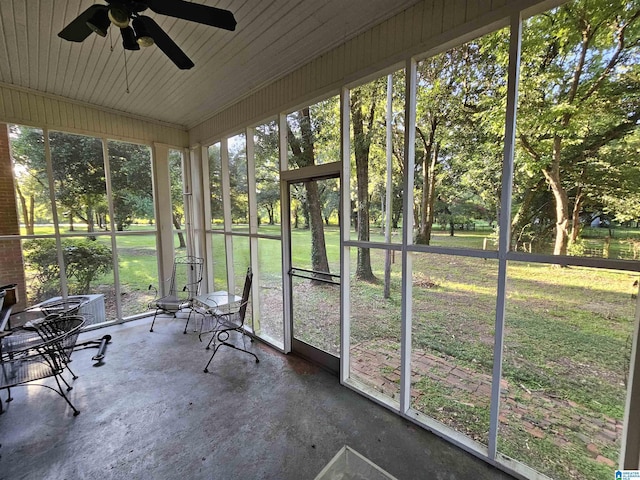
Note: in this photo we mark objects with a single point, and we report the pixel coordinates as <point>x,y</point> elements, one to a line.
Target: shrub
<point>84,259</point>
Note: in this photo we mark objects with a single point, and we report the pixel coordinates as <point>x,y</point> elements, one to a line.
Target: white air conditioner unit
<point>92,307</point>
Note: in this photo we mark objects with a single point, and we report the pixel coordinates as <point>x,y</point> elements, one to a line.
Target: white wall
<point>25,107</point>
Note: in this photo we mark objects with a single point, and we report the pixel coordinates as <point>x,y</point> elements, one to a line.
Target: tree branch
<point>614,133</point>
<point>524,141</point>
<point>614,58</point>
<point>577,72</point>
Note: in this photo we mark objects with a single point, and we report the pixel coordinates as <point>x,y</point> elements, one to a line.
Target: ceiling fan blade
<point>194,12</point>
<point>164,42</point>
<point>78,30</point>
<point>129,39</point>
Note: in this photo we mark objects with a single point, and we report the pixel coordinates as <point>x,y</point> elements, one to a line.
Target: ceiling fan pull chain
<point>126,73</point>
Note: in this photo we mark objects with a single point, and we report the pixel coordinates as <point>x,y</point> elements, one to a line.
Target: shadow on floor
<point>149,412</point>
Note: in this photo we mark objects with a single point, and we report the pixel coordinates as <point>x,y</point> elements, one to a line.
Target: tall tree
<point>238,182</point>
<point>79,176</point>
<point>458,129</point>
<point>365,101</point>
<point>304,155</point>
<point>267,170</point>
<point>579,93</point>
<point>215,185</point>
<point>131,183</point>
<point>30,170</point>
<point>177,197</point>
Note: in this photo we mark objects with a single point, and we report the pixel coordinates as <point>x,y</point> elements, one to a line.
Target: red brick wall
<point>11,264</point>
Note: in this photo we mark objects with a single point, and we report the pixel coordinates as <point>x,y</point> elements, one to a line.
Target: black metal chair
<point>39,353</point>
<point>225,323</point>
<point>184,287</point>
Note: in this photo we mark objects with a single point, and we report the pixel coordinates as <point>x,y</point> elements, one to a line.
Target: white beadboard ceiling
<point>273,37</point>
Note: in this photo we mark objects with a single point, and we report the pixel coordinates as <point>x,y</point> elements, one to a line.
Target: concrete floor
<point>149,412</point>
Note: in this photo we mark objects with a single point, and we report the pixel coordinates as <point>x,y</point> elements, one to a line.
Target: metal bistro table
<point>216,303</point>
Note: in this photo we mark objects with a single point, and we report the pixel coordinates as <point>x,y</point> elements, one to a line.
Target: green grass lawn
<point>567,344</point>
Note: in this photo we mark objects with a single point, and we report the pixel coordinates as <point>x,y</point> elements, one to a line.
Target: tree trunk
<point>421,237</point>
<point>361,145</point>
<point>431,194</point>
<point>306,211</point>
<point>552,175</point>
<point>32,215</point>
<point>354,215</point>
<point>176,225</point>
<point>89,220</point>
<point>319,259</point>
<point>523,215</point>
<point>25,211</point>
<point>304,155</point>
<point>575,218</point>
<point>427,200</point>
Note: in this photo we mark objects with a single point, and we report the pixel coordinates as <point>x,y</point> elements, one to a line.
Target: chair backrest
<point>59,334</point>
<point>187,277</point>
<point>64,306</point>
<point>245,295</point>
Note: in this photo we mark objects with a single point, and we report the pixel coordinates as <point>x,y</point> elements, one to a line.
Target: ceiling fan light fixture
<point>99,23</point>
<point>145,41</point>
<point>142,35</point>
<point>119,17</point>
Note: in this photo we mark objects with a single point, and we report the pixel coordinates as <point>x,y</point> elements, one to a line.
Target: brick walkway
<point>567,424</point>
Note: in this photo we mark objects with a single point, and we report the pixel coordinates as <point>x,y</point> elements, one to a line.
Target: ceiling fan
<point>139,30</point>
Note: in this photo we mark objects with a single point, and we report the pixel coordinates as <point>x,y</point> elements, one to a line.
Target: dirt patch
<point>132,302</point>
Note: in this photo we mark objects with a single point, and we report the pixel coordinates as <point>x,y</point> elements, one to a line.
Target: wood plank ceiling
<point>272,38</point>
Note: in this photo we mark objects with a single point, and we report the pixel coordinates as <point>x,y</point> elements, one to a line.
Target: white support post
<point>253,228</point>
<point>226,208</point>
<point>345,228</point>
<point>187,202</point>
<point>54,211</point>
<point>505,226</point>
<point>162,185</point>
<point>285,234</point>
<point>196,155</point>
<point>112,226</point>
<point>407,234</point>
<point>630,450</point>
<point>206,217</point>
<point>389,152</point>
<point>199,190</point>
<point>389,186</point>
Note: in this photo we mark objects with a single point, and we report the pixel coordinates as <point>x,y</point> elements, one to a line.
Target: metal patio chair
<point>225,323</point>
<point>28,355</point>
<point>183,288</point>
